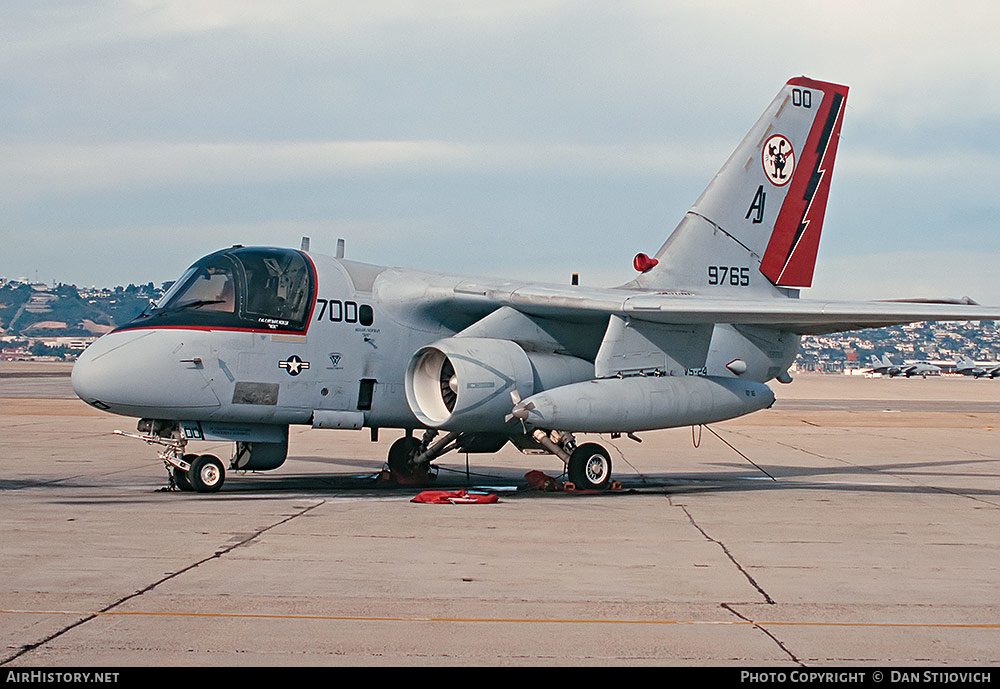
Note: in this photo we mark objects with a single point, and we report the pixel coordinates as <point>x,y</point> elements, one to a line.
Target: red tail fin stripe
<point>798,270</point>
<point>790,257</point>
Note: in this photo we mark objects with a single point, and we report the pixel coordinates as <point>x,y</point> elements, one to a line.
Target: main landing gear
<point>588,465</point>
<point>410,459</point>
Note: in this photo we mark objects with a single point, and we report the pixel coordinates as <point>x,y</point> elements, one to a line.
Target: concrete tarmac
<point>855,523</point>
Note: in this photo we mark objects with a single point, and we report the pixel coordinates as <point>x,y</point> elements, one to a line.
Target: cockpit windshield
<point>258,289</point>
<point>208,287</point>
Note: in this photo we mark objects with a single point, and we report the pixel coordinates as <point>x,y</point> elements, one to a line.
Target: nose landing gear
<point>186,472</point>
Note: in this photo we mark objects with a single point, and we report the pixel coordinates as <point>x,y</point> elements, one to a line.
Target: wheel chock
<point>570,487</point>
<point>539,481</point>
<point>418,480</point>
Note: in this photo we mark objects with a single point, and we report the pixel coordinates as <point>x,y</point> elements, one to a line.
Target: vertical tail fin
<point>756,227</point>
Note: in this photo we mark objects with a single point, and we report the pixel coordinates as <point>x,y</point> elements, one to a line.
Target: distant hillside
<point>42,311</point>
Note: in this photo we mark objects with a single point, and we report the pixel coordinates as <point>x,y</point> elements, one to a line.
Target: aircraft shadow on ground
<point>369,481</point>
<point>511,483</point>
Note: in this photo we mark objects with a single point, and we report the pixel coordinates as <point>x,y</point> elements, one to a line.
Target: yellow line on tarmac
<point>360,618</point>
<point>903,625</point>
<point>503,620</point>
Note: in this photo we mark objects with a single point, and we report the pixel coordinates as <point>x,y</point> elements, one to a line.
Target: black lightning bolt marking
<point>817,173</point>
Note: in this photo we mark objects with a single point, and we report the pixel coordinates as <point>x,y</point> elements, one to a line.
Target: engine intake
<point>465,383</point>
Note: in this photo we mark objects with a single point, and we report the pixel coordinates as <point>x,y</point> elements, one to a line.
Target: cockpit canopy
<point>245,288</point>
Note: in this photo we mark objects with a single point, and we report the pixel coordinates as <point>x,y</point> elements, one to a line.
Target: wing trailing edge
<point>799,316</point>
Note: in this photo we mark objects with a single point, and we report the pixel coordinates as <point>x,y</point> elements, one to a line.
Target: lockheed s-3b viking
<point>251,340</point>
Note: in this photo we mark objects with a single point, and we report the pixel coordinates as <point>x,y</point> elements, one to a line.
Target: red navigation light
<point>642,262</point>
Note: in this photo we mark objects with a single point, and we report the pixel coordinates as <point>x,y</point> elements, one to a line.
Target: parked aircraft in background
<point>967,367</point>
<point>887,368</point>
<point>250,340</point>
<point>882,366</point>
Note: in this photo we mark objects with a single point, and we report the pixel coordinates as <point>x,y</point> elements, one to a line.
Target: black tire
<point>180,476</point>
<point>207,474</point>
<point>590,467</point>
<point>400,455</point>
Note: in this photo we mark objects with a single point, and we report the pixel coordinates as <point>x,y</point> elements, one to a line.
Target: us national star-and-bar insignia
<point>293,365</point>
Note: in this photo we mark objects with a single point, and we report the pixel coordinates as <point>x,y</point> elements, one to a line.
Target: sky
<point>524,139</point>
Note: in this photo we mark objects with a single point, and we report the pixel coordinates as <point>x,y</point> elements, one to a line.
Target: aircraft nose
<point>97,377</point>
<point>142,373</point>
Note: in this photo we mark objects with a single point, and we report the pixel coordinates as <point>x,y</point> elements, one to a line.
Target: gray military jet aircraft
<point>887,368</point>
<point>968,367</point>
<point>250,340</point>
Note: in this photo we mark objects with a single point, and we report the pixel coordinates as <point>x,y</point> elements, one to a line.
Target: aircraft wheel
<point>207,474</point>
<point>590,467</point>
<point>400,455</point>
<point>180,476</point>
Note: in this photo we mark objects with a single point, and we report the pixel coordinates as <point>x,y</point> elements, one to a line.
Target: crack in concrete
<point>727,606</point>
<point>776,640</point>
<point>27,648</point>
<point>725,550</point>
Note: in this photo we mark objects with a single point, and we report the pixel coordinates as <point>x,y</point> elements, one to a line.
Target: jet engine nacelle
<point>624,405</point>
<point>466,383</point>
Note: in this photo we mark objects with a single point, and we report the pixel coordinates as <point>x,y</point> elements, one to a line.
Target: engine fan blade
<point>449,385</point>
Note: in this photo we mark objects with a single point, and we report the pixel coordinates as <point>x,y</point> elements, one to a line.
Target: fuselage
<point>275,337</point>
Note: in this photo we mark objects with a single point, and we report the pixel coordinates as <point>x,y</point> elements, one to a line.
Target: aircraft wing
<point>801,316</point>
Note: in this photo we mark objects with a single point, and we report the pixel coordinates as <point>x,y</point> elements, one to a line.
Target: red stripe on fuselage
<point>213,328</point>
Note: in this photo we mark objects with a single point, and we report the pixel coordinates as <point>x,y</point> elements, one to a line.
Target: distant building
<point>14,353</point>
<point>73,344</point>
